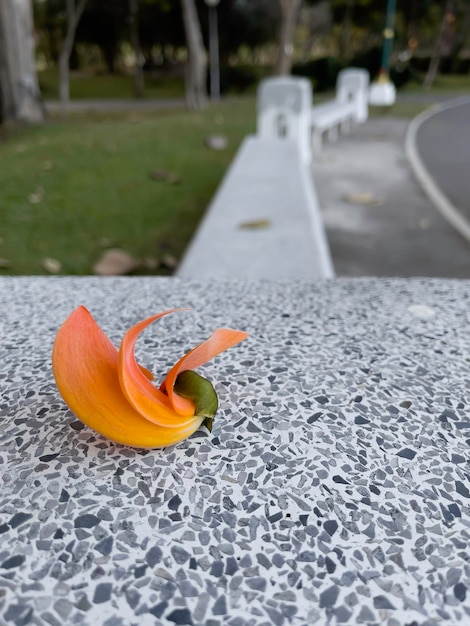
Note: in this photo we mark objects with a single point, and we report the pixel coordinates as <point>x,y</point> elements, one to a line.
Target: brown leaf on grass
<point>162,175</point>
<point>47,165</point>
<point>169,262</point>
<point>150,263</point>
<point>53,266</point>
<point>5,264</point>
<point>115,262</point>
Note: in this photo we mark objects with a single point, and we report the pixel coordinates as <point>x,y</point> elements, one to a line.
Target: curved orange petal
<point>220,340</point>
<point>149,401</point>
<point>85,366</point>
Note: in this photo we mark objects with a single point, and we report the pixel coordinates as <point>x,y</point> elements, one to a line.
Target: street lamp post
<point>382,92</point>
<point>214,49</point>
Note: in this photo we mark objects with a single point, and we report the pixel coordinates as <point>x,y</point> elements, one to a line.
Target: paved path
<point>403,234</point>
<point>443,144</point>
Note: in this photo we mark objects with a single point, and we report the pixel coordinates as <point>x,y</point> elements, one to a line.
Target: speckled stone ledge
<point>334,488</point>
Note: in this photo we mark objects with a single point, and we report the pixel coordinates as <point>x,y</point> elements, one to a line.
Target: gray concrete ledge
<point>264,221</point>
<point>333,488</point>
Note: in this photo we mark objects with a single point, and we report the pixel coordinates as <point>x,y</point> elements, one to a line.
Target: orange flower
<point>111,393</point>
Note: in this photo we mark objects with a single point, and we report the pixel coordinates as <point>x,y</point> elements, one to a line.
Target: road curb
<point>440,201</point>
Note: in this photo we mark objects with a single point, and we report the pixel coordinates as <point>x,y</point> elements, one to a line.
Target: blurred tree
<point>319,20</point>
<point>346,30</point>
<point>74,13</point>
<point>161,27</point>
<point>105,24</point>
<point>196,66</point>
<point>248,23</point>
<point>135,41</point>
<point>446,27</point>
<point>20,98</point>
<point>462,34</point>
<point>289,11</point>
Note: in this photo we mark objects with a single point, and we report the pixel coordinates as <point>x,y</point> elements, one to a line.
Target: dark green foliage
<point>105,24</point>
<point>322,72</point>
<point>370,60</point>
<point>239,78</point>
<point>421,64</point>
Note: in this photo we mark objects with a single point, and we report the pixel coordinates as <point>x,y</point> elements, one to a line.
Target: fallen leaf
<point>108,242</point>
<point>47,165</point>
<point>163,175</point>
<point>36,196</point>
<point>4,263</point>
<point>53,266</point>
<point>150,263</point>
<point>169,262</point>
<point>363,197</point>
<point>115,262</point>
<point>255,225</point>
<point>216,142</point>
<point>20,148</point>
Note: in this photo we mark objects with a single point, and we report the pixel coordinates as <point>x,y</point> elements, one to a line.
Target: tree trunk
<point>319,20</point>
<point>289,10</point>
<point>20,99</point>
<point>438,48</point>
<point>196,67</point>
<point>460,39</point>
<point>74,13</point>
<point>135,42</point>
<point>345,35</point>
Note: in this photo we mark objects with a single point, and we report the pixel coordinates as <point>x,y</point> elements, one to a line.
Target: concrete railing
<point>264,221</point>
<point>349,107</point>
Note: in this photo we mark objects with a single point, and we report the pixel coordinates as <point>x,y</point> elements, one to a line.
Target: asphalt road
<point>378,219</point>
<point>443,144</point>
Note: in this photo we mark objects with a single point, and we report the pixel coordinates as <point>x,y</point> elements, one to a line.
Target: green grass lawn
<point>68,189</point>
<point>101,86</point>
<point>447,83</point>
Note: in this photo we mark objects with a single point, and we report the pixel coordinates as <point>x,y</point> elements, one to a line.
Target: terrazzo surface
<point>333,489</point>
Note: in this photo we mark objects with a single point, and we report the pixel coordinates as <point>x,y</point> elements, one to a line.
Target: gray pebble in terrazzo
<point>333,488</point>
<point>180,617</point>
